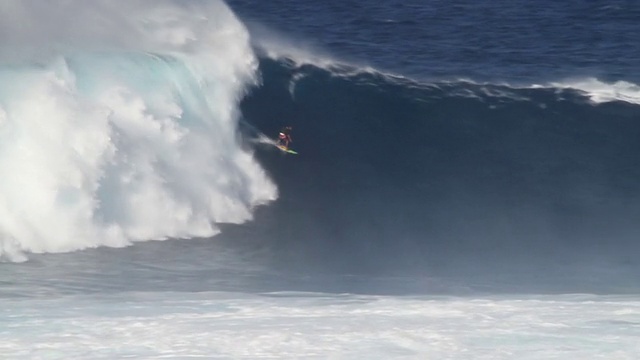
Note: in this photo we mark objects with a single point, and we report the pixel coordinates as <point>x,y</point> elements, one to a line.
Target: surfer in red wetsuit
<point>284,137</point>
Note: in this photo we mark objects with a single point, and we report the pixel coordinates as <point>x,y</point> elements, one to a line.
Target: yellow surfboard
<point>285,149</point>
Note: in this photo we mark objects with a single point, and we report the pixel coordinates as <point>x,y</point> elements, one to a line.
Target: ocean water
<point>466,183</point>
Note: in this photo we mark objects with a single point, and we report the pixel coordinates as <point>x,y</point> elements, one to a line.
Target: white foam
<point>237,326</point>
<point>596,90</point>
<point>121,125</point>
<point>601,92</point>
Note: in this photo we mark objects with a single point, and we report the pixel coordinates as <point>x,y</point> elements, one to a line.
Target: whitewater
<point>320,326</point>
<point>118,124</point>
<point>124,123</point>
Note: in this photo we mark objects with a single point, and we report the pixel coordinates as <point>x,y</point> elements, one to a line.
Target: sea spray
<point>118,123</point>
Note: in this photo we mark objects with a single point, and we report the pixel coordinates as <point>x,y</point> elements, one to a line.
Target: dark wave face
<point>445,178</point>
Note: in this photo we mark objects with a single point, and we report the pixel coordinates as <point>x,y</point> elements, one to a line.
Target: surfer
<point>284,137</point>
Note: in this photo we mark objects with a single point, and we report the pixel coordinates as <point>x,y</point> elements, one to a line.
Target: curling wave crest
<point>118,123</point>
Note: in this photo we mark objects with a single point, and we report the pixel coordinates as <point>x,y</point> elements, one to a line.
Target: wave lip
<point>124,128</point>
<point>600,92</point>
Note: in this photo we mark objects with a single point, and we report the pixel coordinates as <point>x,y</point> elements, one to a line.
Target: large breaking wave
<point>111,137</point>
<point>118,123</point>
<point>448,174</point>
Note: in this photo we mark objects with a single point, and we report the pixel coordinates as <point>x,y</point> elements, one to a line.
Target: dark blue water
<point>498,40</point>
<point>456,165</point>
